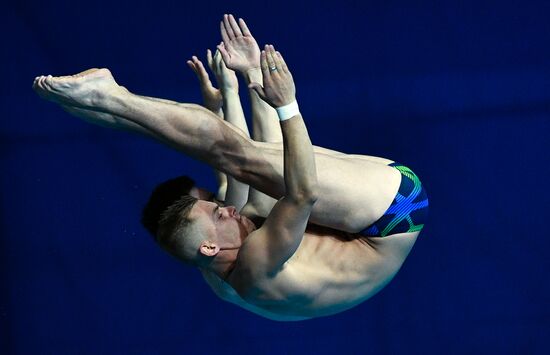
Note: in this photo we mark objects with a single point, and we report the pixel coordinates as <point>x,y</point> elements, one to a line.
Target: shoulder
<point>250,271</point>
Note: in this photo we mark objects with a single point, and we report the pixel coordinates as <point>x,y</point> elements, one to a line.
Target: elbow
<point>313,193</point>
<point>309,195</point>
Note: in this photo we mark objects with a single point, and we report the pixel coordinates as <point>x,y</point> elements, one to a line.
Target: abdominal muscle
<point>330,272</point>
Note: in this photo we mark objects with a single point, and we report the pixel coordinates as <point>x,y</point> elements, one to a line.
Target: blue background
<point>458,91</point>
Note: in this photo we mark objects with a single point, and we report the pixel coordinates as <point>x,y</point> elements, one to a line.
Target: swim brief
<point>409,210</point>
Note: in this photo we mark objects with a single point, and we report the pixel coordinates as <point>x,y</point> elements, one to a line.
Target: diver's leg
<point>353,193</point>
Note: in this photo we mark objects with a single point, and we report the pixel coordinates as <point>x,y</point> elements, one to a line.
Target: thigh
<point>261,203</point>
<point>354,192</point>
<point>392,252</point>
<point>359,157</point>
<point>370,158</point>
<point>396,246</point>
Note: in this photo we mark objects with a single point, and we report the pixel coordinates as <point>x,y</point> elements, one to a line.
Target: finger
<point>276,59</point>
<point>228,27</point>
<point>209,59</point>
<point>201,71</point>
<point>234,26</point>
<point>225,36</point>
<point>192,66</point>
<point>264,65</point>
<point>225,56</point>
<point>244,28</point>
<point>222,64</point>
<point>223,67</point>
<point>218,59</point>
<point>283,66</point>
<point>270,61</point>
<point>217,55</point>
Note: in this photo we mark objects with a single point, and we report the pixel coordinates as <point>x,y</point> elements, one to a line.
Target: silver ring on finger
<point>273,69</point>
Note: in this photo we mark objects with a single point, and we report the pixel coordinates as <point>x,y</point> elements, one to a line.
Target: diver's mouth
<point>244,221</point>
<point>251,225</point>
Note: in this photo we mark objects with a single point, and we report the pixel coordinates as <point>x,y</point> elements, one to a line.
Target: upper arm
<point>275,242</point>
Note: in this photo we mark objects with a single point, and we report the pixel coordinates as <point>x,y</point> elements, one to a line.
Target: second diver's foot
<point>85,89</point>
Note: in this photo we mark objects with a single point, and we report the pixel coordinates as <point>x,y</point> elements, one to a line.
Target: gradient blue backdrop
<point>458,91</point>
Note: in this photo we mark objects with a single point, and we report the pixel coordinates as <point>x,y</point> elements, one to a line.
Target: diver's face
<point>223,226</point>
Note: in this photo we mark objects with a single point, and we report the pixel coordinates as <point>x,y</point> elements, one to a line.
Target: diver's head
<point>165,194</point>
<point>202,233</point>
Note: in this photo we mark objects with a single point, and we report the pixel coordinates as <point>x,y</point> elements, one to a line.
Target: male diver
<point>340,229</point>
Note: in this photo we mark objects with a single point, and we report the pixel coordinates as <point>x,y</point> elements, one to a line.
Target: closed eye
<point>215,212</point>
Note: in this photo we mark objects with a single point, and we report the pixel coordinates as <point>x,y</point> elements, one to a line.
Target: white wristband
<point>287,111</point>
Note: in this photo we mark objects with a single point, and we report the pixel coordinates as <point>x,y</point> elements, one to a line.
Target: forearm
<point>300,173</point>
<point>221,178</point>
<point>265,124</point>
<point>237,192</point>
<point>233,110</point>
<point>265,128</point>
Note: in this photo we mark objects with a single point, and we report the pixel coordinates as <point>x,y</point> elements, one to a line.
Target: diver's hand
<point>212,97</point>
<point>241,52</point>
<point>279,89</point>
<point>226,78</point>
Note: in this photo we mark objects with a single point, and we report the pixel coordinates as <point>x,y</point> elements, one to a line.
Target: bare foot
<point>85,90</point>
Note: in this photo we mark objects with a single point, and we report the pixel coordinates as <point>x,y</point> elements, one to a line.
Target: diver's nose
<point>232,211</point>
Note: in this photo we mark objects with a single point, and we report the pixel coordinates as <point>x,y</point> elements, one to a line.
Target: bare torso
<point>330,272</point>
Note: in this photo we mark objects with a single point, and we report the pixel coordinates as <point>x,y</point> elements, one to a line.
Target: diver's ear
<point>207,248</point>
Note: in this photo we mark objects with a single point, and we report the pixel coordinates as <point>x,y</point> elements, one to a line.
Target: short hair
<point>174,220</point>
<point>163,196</point>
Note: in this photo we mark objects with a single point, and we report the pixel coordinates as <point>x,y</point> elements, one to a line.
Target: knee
<point>233,153</point>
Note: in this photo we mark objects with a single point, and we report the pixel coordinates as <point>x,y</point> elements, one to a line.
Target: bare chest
<point>328,273</point>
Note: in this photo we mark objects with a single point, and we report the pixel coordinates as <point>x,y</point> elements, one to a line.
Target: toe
<point>47,82</point>
<point>39,87</point>
<point>42,83</point>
